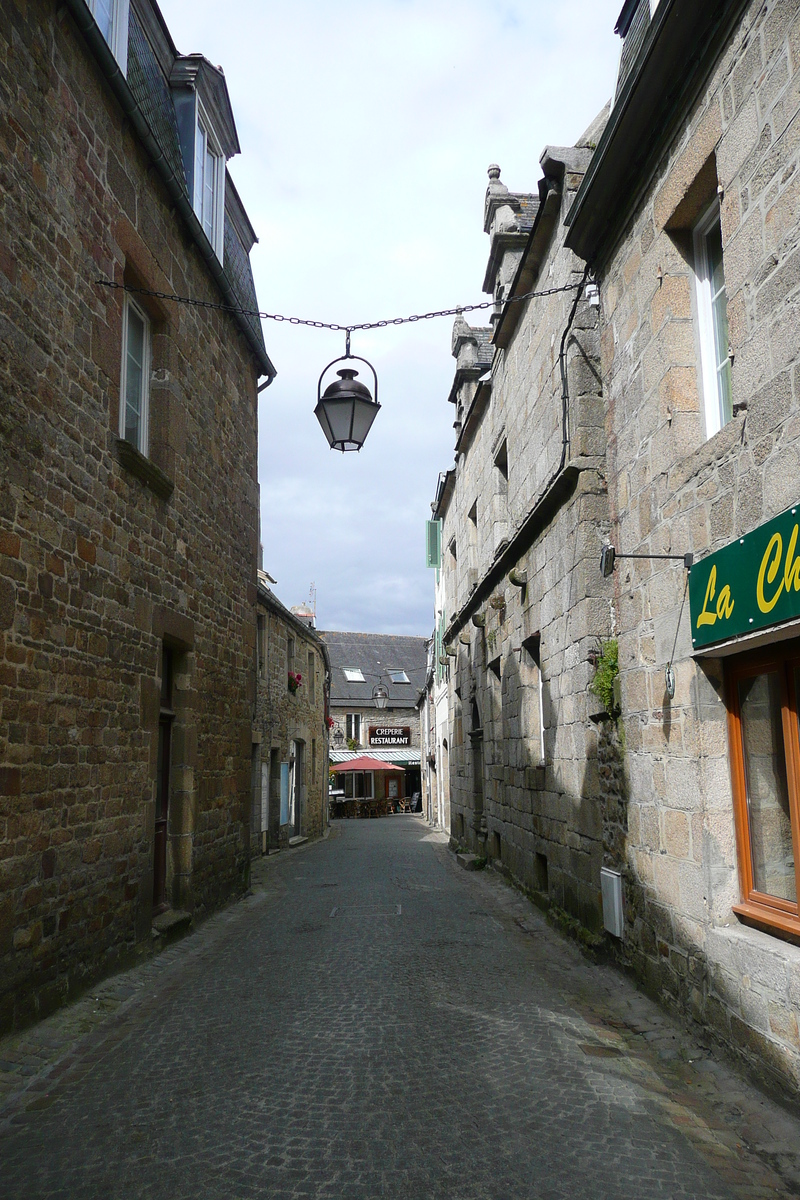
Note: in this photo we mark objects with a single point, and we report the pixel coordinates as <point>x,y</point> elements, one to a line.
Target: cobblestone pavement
<point>375,1022</point>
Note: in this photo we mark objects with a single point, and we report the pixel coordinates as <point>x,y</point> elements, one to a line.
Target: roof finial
<point>494,171</point>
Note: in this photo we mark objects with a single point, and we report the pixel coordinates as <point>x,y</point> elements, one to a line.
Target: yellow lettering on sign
<point>791,572</point>
<point>706,617</point>
<point>769,569</point>
<point>724,606</point>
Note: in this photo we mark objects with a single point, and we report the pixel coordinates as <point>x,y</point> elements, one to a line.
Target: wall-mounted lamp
<point>346,409</point>
<point>609,556</point>
<point>338,738</point>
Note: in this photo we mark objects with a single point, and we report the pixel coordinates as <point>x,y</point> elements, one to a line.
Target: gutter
<point>174,184</point>
<point>681,47</point>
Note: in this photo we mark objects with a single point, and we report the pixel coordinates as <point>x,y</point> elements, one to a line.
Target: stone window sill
<point>144,469</point>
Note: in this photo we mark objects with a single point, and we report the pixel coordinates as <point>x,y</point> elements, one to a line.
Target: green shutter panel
<point>433,557</point>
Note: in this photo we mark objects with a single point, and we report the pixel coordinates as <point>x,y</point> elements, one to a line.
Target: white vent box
<point>611,887</point>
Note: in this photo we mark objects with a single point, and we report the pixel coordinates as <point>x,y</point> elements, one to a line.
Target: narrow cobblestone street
<point>373,1021</point>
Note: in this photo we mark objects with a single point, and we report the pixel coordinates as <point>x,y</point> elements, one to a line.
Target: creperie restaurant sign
<point>382,735</point>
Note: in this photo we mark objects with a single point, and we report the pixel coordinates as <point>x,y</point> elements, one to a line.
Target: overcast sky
<point>366,129</point>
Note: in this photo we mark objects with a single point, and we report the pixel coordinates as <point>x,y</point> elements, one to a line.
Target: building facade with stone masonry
<point>360,663</point>
<point>128,494</point>
<point>690,216</point>
<point>520,520</point>
<point>290,733</point>
<point>433,703</point>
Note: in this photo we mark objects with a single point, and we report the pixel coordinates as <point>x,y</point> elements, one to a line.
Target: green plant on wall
<point>605,674</point>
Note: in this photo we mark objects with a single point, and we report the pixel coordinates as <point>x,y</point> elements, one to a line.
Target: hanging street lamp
<point>380,695</point>
<point>346,409</point>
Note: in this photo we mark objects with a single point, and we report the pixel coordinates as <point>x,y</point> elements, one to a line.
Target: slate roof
<point>528,208</point>
<point>374,654</point>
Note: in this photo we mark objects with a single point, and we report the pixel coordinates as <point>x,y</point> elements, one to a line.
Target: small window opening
<point>712,307</point>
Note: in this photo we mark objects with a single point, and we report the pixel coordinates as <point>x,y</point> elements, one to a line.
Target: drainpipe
<point>562,363</point>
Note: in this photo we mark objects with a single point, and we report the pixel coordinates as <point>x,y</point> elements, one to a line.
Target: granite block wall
<point>104,557</point>
<point>674,489</point>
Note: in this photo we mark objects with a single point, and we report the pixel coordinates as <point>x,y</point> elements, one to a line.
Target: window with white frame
<point>359,785</point>
<point>353,727</point>
<point>135,377</point>
<point>712,311</point>
<point>209,182</point>
<point>353,674</point>
<point>396,675</point>
<point>112,20</point>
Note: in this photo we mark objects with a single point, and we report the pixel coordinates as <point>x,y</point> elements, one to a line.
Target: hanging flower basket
<point>295,680</point>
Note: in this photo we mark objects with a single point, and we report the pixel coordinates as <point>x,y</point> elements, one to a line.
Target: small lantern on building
<point>380,695</point>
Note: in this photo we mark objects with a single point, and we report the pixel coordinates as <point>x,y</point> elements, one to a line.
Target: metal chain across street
<point>266,316</point>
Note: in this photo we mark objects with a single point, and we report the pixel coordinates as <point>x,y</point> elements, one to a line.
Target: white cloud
<point>366,129</point>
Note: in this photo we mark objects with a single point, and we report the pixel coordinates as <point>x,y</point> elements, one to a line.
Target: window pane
<point>209,182</point>
<point>199,168</point>
<point>134,377</point>
<point>767,787</point>
<point>719,309</point>
<point>103,11</point>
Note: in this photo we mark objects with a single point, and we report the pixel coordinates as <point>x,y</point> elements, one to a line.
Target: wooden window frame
<point>117,35</point>
<point>712,356</point>
<point>142,443</point>
<point>207,146</point>
<point>353,721</point>
<point>770,913</point>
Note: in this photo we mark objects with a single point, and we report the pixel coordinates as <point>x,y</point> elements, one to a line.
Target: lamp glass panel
<point>364,413</point>
<point>340,418</point>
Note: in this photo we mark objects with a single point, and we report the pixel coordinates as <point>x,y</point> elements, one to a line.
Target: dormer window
<point>112,20</point>
<point>209,182</point>
<point>207,136</point>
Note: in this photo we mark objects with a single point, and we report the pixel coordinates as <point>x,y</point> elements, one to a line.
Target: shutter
<point>433,556</point>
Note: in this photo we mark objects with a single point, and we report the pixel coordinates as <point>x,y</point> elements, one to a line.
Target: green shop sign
<point>751,584</point>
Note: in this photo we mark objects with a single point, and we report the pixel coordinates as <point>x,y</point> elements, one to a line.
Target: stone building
<point>362,663</point>
<point>661,419</point>
<point>521,601</point>
<point>290,734</point>
<point>433,702</point>
<point>695,238</point>
<point>128,494</point>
